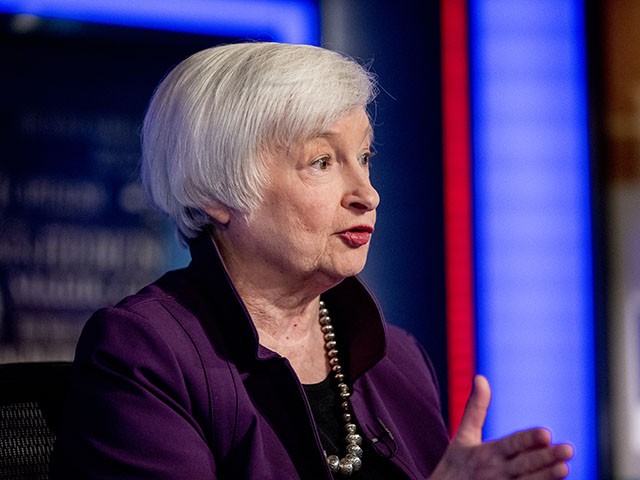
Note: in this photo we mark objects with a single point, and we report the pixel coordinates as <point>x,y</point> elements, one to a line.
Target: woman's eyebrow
<point>334,133</point>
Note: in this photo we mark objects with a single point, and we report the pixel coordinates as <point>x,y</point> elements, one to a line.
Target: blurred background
<point>508,139</point>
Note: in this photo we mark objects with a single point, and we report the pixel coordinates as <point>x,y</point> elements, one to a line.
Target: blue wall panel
<point>532,219</point>
<point>282,20</point>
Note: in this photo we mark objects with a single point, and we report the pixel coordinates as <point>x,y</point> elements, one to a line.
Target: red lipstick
<point>356,236</point>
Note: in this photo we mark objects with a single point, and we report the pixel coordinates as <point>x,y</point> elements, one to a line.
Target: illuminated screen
<point>532,220</point>
<point>284,21</point>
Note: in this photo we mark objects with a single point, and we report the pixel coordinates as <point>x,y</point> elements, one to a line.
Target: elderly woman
<point>267,357</point>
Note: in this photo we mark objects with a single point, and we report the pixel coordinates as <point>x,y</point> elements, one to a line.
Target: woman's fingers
<point>550,459</point>
<point>530,457</point>
<point>555,472</point>
<point>524,440</point>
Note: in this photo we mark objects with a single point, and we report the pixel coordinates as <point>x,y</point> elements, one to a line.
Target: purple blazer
<point>171,383</point>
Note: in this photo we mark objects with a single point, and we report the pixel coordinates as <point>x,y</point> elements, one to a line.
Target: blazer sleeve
<point>131,411</point>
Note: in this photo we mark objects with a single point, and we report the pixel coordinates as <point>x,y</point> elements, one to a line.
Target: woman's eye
<point>365,158</point>
<point>321,163</point>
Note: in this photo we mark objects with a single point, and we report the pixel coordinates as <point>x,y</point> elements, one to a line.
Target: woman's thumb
<point>470,429</point>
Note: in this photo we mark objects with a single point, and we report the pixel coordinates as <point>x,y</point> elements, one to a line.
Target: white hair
<point>215,115</point>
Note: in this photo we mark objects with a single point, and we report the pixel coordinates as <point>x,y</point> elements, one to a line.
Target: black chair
<point>31,398</point>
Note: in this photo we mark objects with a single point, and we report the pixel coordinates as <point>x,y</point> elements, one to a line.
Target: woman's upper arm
<point>130,411</point>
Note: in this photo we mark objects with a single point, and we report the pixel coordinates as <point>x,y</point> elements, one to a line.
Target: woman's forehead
<point>355,122</point>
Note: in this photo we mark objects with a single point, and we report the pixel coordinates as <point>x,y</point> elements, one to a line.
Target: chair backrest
<point>31,399</point>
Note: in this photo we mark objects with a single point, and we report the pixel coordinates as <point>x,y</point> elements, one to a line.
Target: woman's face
<point>317,215</point>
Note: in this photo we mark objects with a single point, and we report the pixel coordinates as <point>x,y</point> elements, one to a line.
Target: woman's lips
<point>357,236</point>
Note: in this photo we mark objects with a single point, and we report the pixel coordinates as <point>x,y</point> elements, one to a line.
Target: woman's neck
<point>292,331</point>
<point>285,312</point>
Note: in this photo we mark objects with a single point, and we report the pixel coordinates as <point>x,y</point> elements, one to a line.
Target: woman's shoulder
<point>160,305</point>
<point>408,355</point>
<point>154,341</point>
<point>403,343</point>
<point>169,288</point>
<point>158,322</point>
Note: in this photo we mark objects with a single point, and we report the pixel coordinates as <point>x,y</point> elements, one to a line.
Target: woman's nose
<point>360,193</point>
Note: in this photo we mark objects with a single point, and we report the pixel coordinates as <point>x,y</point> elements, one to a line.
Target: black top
<point>325,404</point>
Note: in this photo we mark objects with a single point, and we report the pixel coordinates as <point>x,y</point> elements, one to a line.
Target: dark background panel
<point>75,231</point>
<point>401,42</point>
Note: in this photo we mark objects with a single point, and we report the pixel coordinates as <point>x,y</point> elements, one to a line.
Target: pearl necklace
<point>352,461</point>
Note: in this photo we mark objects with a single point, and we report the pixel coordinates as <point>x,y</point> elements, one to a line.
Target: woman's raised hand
<point>528,454</point>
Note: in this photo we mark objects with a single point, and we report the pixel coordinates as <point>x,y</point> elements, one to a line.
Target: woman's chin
<point>349,269</point>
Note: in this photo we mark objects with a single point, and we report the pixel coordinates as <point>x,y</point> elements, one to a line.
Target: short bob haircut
<point>215,115</point>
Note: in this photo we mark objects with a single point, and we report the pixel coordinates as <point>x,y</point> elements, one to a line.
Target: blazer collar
<point>356,316</point>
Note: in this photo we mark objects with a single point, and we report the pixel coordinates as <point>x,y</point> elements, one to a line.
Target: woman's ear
<point>218,211</point>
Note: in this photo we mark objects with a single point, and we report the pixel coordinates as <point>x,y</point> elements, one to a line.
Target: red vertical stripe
<point>457,204</point>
